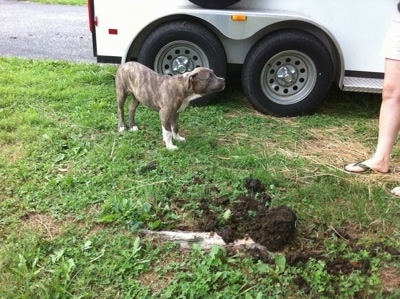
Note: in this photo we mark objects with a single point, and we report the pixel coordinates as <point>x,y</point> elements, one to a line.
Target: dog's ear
<point>190,80</point>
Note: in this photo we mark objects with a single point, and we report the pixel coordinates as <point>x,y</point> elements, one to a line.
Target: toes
<point>396,191</point>
<point>357,168</point>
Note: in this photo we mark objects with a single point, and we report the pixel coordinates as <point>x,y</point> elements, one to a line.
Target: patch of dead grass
<point>390,278</point>
<point>12,153</point>
<point>43,224</point>
<point>331,148</point>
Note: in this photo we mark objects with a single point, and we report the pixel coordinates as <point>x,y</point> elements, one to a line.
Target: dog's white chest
<point>187,100</point>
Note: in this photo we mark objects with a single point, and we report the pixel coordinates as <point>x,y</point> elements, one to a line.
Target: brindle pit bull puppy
<point>168,95</point>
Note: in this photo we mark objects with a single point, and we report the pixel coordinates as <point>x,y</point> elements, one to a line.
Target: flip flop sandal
<point>364,168</point>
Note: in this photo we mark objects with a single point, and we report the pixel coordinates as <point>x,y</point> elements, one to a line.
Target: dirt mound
<point>249,216</point>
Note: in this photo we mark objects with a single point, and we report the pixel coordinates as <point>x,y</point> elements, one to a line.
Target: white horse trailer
<point>290,51</point>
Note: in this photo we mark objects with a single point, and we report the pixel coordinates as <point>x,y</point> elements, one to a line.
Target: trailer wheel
<point>181,46</point>
<point>287,73</point>
<point>214,3</point>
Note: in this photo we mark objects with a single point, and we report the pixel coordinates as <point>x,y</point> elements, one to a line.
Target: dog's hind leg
<point>121,97</point>
<point>132,111</point>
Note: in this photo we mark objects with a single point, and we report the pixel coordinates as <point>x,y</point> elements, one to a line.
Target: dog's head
<point>203,81</point>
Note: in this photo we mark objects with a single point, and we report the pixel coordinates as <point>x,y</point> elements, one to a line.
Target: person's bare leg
<point>389,120</point>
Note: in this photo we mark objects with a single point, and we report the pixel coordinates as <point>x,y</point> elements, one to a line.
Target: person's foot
<point>366,166</point>
<point>396,191</point>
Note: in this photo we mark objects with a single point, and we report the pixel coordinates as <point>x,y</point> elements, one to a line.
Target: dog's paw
<point>179,138</point>
<point>121,129</point>
<point>172,147</point>
<point>134,129</point>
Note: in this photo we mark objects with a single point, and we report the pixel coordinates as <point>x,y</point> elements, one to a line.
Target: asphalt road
<point>41,31</point>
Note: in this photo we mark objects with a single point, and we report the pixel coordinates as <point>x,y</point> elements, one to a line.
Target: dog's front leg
<point>167,137</point>
<point>166,127</point>
<point>175,128</point>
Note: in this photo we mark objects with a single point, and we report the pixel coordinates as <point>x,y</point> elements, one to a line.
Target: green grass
<point>63,2</point>
<point>74,194</point>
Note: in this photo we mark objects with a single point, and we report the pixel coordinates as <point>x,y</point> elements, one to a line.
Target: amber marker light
<point>239,18</point>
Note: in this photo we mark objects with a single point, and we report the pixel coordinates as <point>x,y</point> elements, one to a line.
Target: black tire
<point>287,73</point>
<point>180,46</point>
<point>214,3</point>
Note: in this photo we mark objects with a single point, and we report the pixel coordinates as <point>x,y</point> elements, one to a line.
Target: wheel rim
<point>179,57</point>
<point>288,77</point>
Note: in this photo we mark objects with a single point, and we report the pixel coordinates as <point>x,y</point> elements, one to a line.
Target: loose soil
<point>251,215</point>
